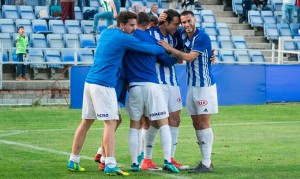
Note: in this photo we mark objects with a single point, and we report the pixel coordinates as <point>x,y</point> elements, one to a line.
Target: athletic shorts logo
<point>102,115</point>
<point>158,114</point>
<point>202,103</point>
<point>179,100</point>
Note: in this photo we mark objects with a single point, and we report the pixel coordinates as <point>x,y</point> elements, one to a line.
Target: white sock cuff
<point>153,130</point>
<point>203,131</point>
<point>75,158</point>
<point>164,126</point>
<point>102,159</point>
<point>99,150</point>
<point>134,130</point>
<point>174,129</point>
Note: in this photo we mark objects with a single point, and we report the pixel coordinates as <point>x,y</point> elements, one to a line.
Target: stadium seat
<point>255,19</point>
<point>97,38</point>
<point>53,56</point>
<point>288,45</point>
<point>87,41</point>
<point>223,29</point>
<point>198,17</point>
<point>40,26</point>
<point>208,16</point>
<point>239,42</point>
<point>26,23</point>
<point>297,42</point>
<point>210,28</point>
<point>217,56</point>
<point>38,41</point>
<point>37,9</point>
<point>225,42</point>
<point>101,25</point>
<point>256,56</point>
<point>237,6</point>
<point>36,58</point>
<point>7,44</point>
<point>13,56</point>
<point>294,29</point>
<point>214,43</point>
<point>226,56</point>
<point>94,3</point>
<point>68,55</point>
<point>87,26</point>
<point>10,12</point>
<point>284,29</point>
<point>85,56</point>
<point>78,13</point>
<point>71,40</point>
<point>26,12</point>
<point>242,56</point>
<point>73,27</point>
<point>276,5</point>
<point>268,17</point>
<point>57,27</point>
<point>278,15</point>
<point>271,31</point>
<point>7,26</point>
<point>55,41</point>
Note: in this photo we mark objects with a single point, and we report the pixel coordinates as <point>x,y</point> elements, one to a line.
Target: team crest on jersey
<point>179,100</point>
<point>202,103</point>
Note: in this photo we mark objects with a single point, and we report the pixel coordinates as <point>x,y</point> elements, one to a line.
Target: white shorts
<point>147,100</point>
<point>202,100</point>
<point>172,97</point>
<point>99,102</point>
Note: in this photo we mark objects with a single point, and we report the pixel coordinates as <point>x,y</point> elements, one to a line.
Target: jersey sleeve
<point>166,60</point>
<point>132,43</point>
<point>201,43</point>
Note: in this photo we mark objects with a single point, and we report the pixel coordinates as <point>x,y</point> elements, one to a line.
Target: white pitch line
<point>120,128</point>
<point>83,157</point>
<point>13,133</point>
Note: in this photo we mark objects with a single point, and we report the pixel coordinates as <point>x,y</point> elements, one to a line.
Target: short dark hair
<point>153,19</point>
<point>20,27</point>
<point>143,19</point>
<point>171,14</point>
<point>184,13</point>
<point>124,16</point>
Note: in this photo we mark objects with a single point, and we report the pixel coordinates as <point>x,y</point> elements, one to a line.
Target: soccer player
<point>99,99</point>
<point>202,94</point>
<point>145,95</point>
<point>171,91</point>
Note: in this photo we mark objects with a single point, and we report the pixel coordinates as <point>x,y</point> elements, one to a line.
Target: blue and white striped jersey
<point>166,75</point>
<point>199,70</point>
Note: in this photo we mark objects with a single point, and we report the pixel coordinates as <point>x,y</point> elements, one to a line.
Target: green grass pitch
<point>257,141</point>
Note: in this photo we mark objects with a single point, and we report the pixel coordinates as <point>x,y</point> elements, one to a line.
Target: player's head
<point>153,21</point>
<point>172,21</point>
<point>21,30</point>
<point>188,21</point>
<point>143,19</point>
<point>126,21</point>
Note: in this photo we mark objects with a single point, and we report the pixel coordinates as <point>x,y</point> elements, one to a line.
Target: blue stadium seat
<point>97,38</point>
<point>214,43</point>
<point>198,17</point>
<point>71,40</point>
<point>26,23</point>
<point>7,26</point>
<point>294,28</point>
<point>26,12</point>
<point>226,56</point>
<point>242,56</point>
<point>255,19</point>
<point>297,42</point>
<point>208,16</point>
<point>7,43</point>
<point>55,41</point>
<point>67,55</point>
<point>87,41</point>
<point>276,5</point>
<point>256,56</point>
<point>73,27</point>
<point>210,28</point>
<point>271,31</point>
<point>225,42</point>
<point>223,29</point>
<point>268,17</point>
<point>284,29</point>
<point>37,9</point>
<point>10,12</point>
<point>36,56</point>
<point>53,56</point>
<point>217,56</point>
<point>239,42</point>
<point>78,13</point>
<point>237,6</point>
<point>85,56</point>
<point>87,26</point>
<point>38,41</point>
<point>94,3</point>
<point>13,56</point>
<point>39,26</point>
<point>101,26</point>
<point>57,26</point>
<point>278,15</point>
<point>288,45</point>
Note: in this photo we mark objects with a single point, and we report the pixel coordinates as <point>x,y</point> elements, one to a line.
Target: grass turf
<point>259,141</point>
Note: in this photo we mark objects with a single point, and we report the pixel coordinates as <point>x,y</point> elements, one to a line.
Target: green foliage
<point>249,142</point>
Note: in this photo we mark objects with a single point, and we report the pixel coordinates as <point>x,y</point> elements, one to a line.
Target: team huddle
<point>144,58</point>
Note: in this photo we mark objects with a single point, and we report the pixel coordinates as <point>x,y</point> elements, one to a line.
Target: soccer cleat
<point>135,167</point>
<point>141,158</point>
<point>170,167</point>
<point>72,166</point>
<point>97,158</point>
<point>101,166</point>
<point>114,171</point>
<point>179,165</point>
<point>148,164</point>
<point>202,168</point>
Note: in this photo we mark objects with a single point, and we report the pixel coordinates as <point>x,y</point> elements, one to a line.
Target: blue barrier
<point>236,84</point>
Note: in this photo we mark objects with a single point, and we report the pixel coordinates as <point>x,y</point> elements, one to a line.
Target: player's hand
<point>111,27</point>
<point>213,57</point>
<point>162,17</point>
<point>115,15</point>
<point>165,45</point>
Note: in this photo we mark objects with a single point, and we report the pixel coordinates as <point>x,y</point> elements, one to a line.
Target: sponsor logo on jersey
<point>205,110</point>
<point>202,103</point>
<point>102,115</point>
<point>149,146</point>
<point>158,114</point>
<point>179,100</point>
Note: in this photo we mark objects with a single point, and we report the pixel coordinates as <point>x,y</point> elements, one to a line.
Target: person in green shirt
<point>21,44</point>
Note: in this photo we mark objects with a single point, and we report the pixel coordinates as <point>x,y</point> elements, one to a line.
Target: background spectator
<point>137,8</point>
<point>173,4</point>
<point>288,10</point>
<point>246,7</point>
<point>260,5</point>
<point>67,7</point>
<point>21,44</point>
<point>298,11</point>
<point>188,5</point>
<point>83,3</point>
<point>154,10</point>
<point>20,2</point>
